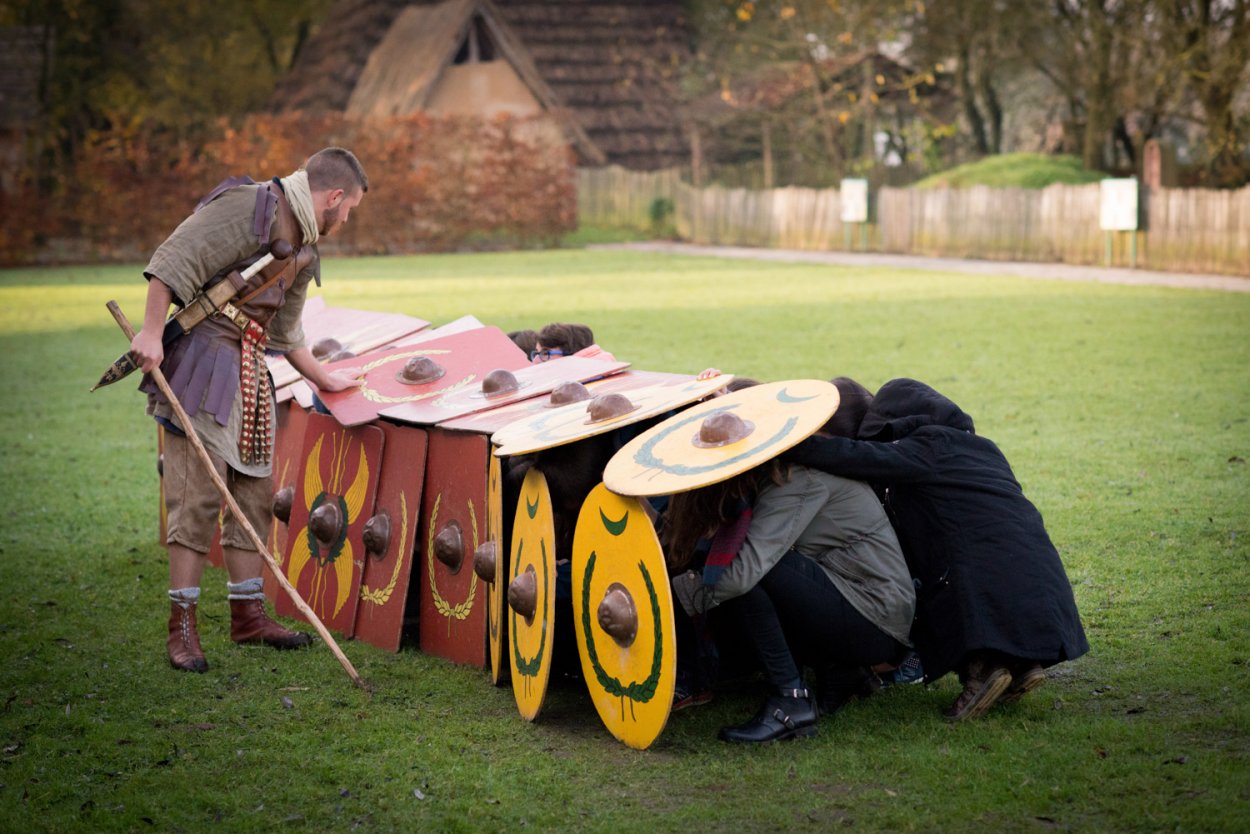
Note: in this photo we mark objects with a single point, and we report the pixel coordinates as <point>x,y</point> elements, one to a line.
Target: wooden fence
<point>1185,230</point>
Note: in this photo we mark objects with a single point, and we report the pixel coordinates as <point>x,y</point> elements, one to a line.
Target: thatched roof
<point>607,70</point>
<point>402,69</point>
<point>616,66</point>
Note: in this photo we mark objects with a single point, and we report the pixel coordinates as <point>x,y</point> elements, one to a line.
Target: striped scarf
<point>726,542</point>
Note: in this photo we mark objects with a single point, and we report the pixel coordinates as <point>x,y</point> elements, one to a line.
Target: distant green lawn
<point>1125,411</point>
<point>1014,170</point>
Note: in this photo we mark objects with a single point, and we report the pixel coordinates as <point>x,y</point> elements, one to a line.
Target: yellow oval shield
<point>623,613</point>
<point>672,457</point>
<point>534,562</point>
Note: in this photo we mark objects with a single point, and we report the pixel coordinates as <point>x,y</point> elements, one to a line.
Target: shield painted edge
<point>496,622</point>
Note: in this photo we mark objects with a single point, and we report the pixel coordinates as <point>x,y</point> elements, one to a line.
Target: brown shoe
<point>979,694</point>
<point>1023,681</point>
<point>183,644</point>
<point>250,624</point>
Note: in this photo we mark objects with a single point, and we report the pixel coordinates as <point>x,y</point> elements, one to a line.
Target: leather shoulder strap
<point>283,225</point>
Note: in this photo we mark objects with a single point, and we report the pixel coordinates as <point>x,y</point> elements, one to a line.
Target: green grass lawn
<point>1125,411</point>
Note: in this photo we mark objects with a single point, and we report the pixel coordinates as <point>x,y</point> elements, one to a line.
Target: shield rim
<point>496,622</point>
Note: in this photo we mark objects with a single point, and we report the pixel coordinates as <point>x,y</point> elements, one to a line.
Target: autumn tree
<point>172,65</point>
<point>798,52</point>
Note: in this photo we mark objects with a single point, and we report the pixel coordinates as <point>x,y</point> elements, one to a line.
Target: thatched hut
<point>605,72</point>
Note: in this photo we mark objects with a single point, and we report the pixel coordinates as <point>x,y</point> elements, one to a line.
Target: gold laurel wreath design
<point>377,397</point>
<point>383,595</point>
<point>442,606</point>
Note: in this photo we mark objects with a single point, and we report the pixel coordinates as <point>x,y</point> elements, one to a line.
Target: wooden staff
<point>181,413</point>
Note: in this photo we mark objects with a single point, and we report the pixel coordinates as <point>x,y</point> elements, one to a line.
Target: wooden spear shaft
<point>270,563</point>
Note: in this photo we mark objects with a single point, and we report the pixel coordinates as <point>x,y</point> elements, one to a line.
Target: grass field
<point>1125,411</point>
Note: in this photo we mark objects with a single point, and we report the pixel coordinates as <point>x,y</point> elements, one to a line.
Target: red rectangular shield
<point>463,360</point>
<point>388,571</point>
<point>460,325</point>
<point>334,497</point>
<point>292,420</point>
<point>358,331</point>
<point>452,622</point>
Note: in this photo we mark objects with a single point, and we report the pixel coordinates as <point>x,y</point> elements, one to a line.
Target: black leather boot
<point>791,713</point>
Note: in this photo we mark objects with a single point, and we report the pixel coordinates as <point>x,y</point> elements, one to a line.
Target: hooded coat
<point>989,576</point>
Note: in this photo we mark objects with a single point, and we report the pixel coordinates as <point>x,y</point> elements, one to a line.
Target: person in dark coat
<point>994,602</point>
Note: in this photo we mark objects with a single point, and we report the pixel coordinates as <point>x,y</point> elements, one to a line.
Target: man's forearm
<point>302,360</point>
<point>157,307</point>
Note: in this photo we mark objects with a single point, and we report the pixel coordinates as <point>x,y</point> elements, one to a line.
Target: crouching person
<point>995,604</point>
<point>807,567</point>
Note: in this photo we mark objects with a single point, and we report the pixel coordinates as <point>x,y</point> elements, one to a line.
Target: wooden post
<point>696,157</point>
<point>767,139</point>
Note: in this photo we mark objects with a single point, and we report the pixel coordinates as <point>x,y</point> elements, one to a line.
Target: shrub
<point>435,183</point>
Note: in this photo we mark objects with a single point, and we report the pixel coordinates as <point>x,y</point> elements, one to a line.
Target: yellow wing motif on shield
<point>354,498</point>
<point>312,488</point>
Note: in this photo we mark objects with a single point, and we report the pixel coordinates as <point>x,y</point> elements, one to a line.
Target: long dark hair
<point>854,402</point>
<point>697,514</point>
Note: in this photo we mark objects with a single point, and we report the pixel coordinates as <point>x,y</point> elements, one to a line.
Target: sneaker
<point>979,694</point>
<point>683,697</point>
<point>911,670</point>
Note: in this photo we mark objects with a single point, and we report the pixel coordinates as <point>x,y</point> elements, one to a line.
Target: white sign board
<point>1118,205</point>
<point>854,201</point>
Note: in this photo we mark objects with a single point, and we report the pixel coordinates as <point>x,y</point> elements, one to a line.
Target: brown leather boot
<point>984,682</point>
<point>183,644</point>
<point>250,624</point>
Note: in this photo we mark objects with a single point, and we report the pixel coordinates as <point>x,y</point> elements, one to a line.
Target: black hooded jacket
<point>990,579</point>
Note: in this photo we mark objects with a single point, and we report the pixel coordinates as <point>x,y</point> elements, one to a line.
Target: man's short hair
<point>331,168</point>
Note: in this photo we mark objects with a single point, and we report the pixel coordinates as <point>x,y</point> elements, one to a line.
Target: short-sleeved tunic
<point>203,366</point>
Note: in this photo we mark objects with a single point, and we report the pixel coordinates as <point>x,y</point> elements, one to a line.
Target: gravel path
<point>1050,272</point>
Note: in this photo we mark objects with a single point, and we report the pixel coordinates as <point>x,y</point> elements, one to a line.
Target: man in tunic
<point>217,371</point>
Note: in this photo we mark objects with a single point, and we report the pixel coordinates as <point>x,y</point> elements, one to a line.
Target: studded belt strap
<point>253,389</point>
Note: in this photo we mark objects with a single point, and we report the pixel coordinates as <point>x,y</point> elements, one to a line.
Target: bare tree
<point>1209,42</point>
